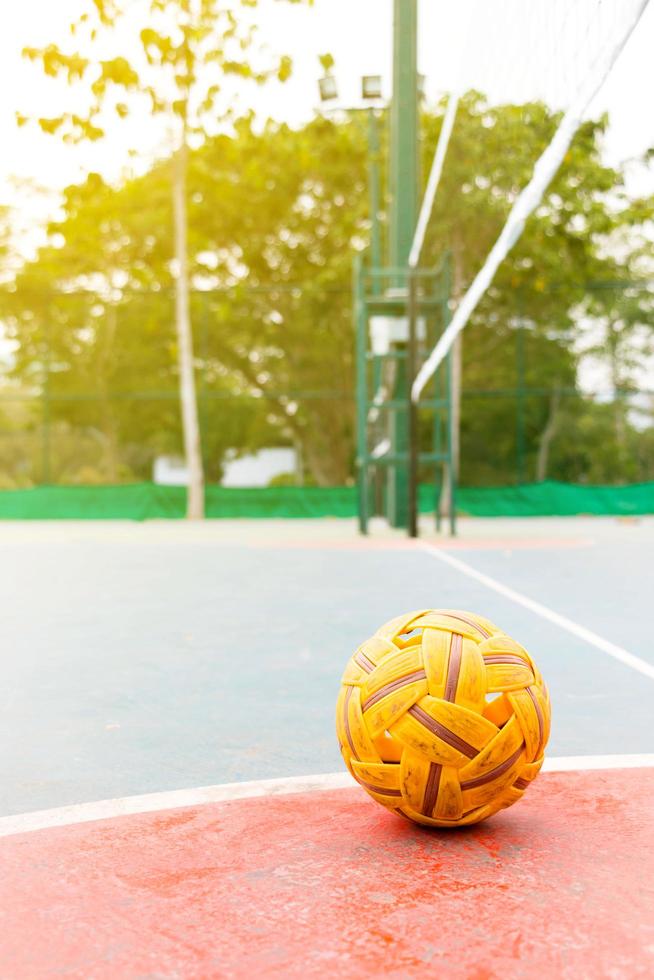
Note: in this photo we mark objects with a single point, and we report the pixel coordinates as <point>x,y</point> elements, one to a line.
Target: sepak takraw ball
<point>443,718</point>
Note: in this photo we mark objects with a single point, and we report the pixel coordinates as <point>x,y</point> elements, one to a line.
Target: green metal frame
<point>403,215</point>
<point>422,293</point>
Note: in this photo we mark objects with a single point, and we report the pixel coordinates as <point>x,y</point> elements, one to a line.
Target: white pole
<point>432,184</point>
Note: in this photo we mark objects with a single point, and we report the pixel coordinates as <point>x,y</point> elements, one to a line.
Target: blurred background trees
<point>184,53</point>
<point>274,216</point>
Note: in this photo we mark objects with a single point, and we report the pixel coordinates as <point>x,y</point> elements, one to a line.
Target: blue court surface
<point>163,656</point>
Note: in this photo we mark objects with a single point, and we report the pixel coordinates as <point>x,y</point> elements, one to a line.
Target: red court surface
<point>330,884</point>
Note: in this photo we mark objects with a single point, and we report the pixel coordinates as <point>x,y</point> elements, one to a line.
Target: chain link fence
<point>88,387</point>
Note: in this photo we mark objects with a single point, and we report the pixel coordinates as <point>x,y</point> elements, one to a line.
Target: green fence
<point>88,393</point>
<point>145,501</point>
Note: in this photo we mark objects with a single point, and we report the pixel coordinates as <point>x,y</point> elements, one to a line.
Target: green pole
<point>413,443</point>
<point>403,171</point>
<point>361,327</point>
<point>374,187</point>
<point>404,132</point>
<point>450,442</point>
<point>520,399</point>
<point>204,405</point>
<point>376,260</point>
<point>46,474</point>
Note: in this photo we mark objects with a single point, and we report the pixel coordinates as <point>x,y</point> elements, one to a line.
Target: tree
<point>274,216</point>
<point>186,51</point>
<point>541,288</point>
<point>282,277</point>
<point>272,299</point>
<point>94,319</point>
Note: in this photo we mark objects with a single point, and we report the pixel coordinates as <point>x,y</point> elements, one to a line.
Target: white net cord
<point>529,198</point>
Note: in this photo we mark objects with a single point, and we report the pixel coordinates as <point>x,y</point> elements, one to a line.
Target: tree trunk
<point>188,398</point>
<point>547,436</point>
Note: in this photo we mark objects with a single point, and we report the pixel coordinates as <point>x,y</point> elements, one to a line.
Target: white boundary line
<point>150,802</point>
<point>618,653</point>
<point>154,802</point>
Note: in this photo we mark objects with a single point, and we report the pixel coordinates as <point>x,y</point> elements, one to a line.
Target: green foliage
<point>181,45</point>
<point>179,41</point>
<point>274,217</point>
<point>586,231</point>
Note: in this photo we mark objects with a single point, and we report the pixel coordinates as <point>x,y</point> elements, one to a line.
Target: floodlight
<point>371,87</point>
<point>328,88</point>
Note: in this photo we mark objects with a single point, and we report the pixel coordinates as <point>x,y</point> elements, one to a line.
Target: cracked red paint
<point>329,884</point>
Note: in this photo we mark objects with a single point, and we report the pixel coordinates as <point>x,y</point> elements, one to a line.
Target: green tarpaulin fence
<point>142,501</point>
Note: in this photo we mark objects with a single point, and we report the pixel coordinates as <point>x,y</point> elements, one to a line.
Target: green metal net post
<point>374,191</point>
<point>203,401</point>
<point>520,439</point>
<point>450,422</point>
<point>414,436</point>
<point>449,368</point>
<point>425,302</point>
<point>361,330</point>
<point>403,171</point>
<point>404,133</point>
<point>46,469</point>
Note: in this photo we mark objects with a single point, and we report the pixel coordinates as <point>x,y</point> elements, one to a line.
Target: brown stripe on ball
<point>380,790</point>
<point>417,675</point>
<point>454,666</point>
<point>363,662</point>
<point>505,659</point>
<point>469,622</point>
<point>431,788</point>
<point>435,727</point>
<point>541,722</point>
<point>495,773</point>
<point>346,719</point>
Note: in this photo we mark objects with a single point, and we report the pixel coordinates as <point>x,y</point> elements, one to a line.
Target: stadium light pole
<point>403,173</point>
<point>371,92</point>
<point>373,106</point>
<point>372,96</point>
<point>404,132</point>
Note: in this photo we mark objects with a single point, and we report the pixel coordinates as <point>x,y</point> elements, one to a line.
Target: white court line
<point>156,802</point>
<point>618,653</point>
<point>150,802</point>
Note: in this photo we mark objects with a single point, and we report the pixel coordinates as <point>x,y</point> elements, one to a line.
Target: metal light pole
<point>371,93</point>
<point>403,217</point>
<point>374,189</point>
<point>372,96</point>
<point>404,132</point>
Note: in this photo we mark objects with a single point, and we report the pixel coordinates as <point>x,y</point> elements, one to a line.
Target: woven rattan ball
<point>443,718</point>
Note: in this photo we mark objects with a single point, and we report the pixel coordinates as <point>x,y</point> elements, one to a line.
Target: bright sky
<point>356,32</point>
